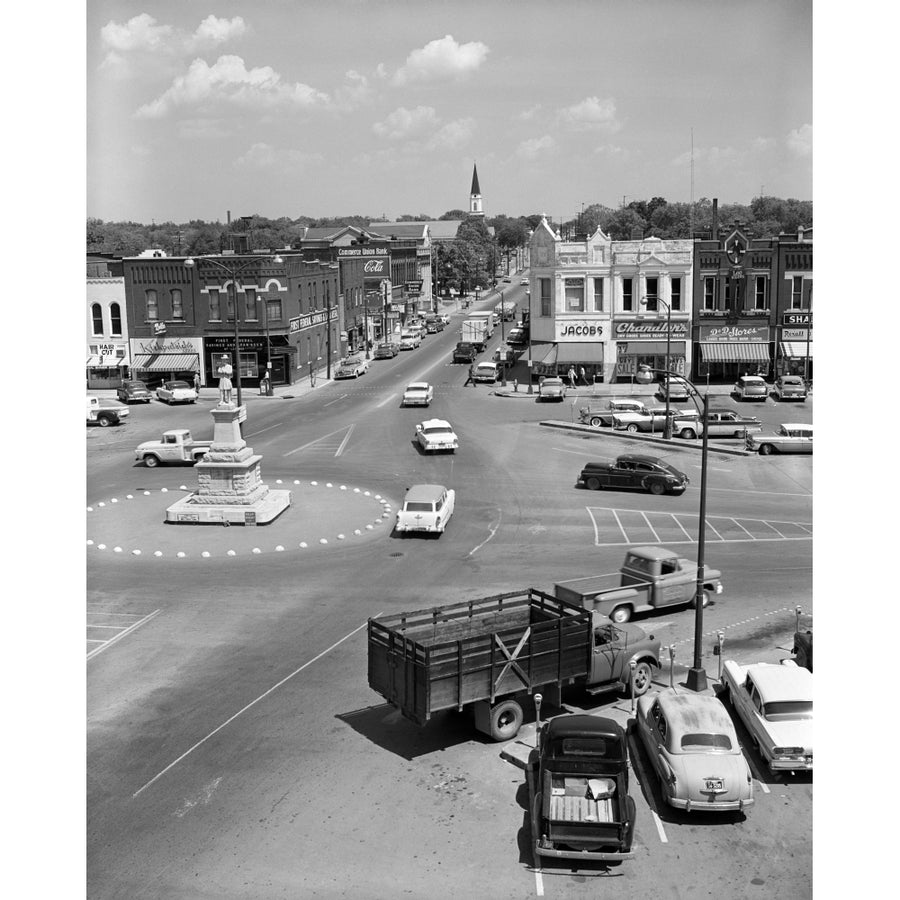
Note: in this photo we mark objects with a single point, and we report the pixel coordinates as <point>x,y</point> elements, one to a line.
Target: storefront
<point>794,355</point>
<point>639,343</point>
<point>162,359</point>
<point>257,355</point>
<point>725,352</point>
<point>578,345</point>
<point>309,342</point>
<point>107,366</point>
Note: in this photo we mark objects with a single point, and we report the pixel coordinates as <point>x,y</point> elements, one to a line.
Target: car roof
<point>417,386</point>
<point>752,378</point>
<point>694,713</point>
<point>790,378</point>
<point>640,457</point>
<point>777,682</point>
<point>424,493</point>
<point>435,423</point>
<point>800,425</point>
<point>583,726</point>
<point>653,553</point>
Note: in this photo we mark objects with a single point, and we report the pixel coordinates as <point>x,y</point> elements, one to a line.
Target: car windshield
<point>418,506</point>
<point>552,382</point>
<point>178,384</point>
<point>439,429</point>
<point>416,389</point>
<point>136,385</point>
<point>704,742</point>
<point>784,710</point>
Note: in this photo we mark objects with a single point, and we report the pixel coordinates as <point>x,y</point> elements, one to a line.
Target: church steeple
<point>475,208</point>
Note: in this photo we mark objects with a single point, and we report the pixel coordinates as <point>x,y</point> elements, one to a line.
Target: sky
<point>342,107</point>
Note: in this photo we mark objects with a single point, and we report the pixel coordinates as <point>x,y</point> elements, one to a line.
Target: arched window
<point>96,319</point>
<point>152,306</point>
<point>231,296</point>
<point>115,319</point>
<point>215,313</point>
<point>177,307</point>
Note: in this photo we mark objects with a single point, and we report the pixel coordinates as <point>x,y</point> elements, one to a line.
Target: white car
<point>176,392</point>
<point>436,434</point>
<point>409,340</point>
<point>426,507</point>
<point>352,367</point>
<point>445,318</point>
<point>775,703</point>
<point>524,281</point>
<point>792,437</point>
<point>486,371</point>
<point>419,393</point>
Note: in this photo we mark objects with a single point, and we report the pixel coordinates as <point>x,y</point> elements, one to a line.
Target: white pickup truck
<point>104,412</point>
<point>176,446</point>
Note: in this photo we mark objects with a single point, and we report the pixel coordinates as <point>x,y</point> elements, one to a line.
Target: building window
<point>628,294</point>
<point>710,292</point>
<point>761,292</point>
<point>545,296</point>
<point>215,313</point>
<point>574,295</point>
<point>598,295</point>
<point>273,310</point>
<point>250,312</point>
<point>115,319</point>
<point>675,299</point>
<point>177,306</point>
<point>652,297</point>
<point>96,319</point>
<point>152,306</point>
<point>797,292</point>
<point>230,298</point>
<point>314,297</point>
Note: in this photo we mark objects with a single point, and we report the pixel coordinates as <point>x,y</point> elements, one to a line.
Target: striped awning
<point>544,353</point>
<point>796,349</point>
<point>105,362</point>
<point>734,352</point>
<point>166,362</point>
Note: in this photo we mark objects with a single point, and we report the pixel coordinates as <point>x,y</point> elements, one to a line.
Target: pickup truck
<point>578,790</point>
<point>465,352</point>
<point>475,331</point>
<point>651,579</point>
<point>488,653</point>
<point>597,416</point>
<point>176,446</point>
<point>105,413</point>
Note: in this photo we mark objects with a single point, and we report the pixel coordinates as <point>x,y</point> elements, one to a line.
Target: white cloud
<point>355,90</point>
<point>612,151</point>
<point>213,31</point>
<point>404,123</point>
<point>762,144</point>
<point>452,135</point>
<point>228,80</point>
<point>591,114</point>
<point>265,156</point>
<point>800,140</point>
<point>528,114</point>
<point>533,147</point>
<point>139,33</point>
<point>441,59</point>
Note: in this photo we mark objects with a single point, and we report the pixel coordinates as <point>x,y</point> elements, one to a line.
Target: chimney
<point>227,216</point>
<point>715,219</point>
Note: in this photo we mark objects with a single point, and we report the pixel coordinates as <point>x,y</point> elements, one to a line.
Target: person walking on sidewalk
<point>471,378</point>
<point>572,376</point>
<point>197,382</point>
<point>583,377</point>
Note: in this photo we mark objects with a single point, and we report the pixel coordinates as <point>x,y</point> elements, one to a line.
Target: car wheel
<point>104,421</point>
<point>642,678</point>
<point>631,428</point>
<point>621,614</point>
<point>151,462</point>
<point>593,484</point>
<point>689,434</point>
<point>595,421</point>
<point>766,449</point>
<point>693,603</point>
<point>656,487</point>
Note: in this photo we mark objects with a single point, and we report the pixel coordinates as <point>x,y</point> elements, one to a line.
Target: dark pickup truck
<point>578,791</point>
<point>465,352</point>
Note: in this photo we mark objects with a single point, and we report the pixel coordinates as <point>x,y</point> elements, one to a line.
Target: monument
<point>230,487</point>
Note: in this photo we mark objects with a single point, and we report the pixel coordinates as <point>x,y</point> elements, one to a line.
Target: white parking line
<point>120,635</point>
<point>340,449</point>
<point>261,430</point>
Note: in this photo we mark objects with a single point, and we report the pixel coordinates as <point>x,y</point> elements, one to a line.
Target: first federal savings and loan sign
<point>310,320</point>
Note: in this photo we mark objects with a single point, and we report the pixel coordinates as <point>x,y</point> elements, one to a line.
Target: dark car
<point>386,350</point>
<point>465,352</point>
<point>803,649</point>
<point>133,392</point>
<point>633,470</point>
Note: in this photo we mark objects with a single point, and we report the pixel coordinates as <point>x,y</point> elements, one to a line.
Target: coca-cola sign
<point>377,266</point>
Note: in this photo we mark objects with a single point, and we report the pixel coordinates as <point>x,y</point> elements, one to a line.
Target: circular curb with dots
<point>208,542</point>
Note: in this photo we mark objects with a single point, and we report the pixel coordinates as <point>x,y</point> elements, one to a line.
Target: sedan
<point>641,420</point>
<point>694,750</point>
<point>721,422</point>
<point>775,703</point>
<point>409,340</point>
<point>677,390</point>
<point>436,434</point>
<point>751,387</point>
<point>351,367</point>
<point>634,471</point>
<point>790,387</point>
<point>386,350</point>
<point>419,393</point>
<point>176,392</point>
<point>790,438</point>
<point>524,281</point>
<point>133,392</point>
<point>552,389</point>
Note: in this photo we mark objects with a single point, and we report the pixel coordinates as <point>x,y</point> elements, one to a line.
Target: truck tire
<point>596,421</point>
<point>104,420</point>
<point>151,462</point>
<point>621,614</point>
<point>643,678</point>
<point>593,484</point>
<point>688,434</point>
<point>705,600</point>
<point>506,720</point>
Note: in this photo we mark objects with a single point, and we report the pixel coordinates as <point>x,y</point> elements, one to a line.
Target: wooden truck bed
<point>448,656</point>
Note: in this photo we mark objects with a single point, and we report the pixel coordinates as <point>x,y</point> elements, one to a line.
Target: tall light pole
<point>696,680</point>
<point>234,270</point>
<point>667,425</point>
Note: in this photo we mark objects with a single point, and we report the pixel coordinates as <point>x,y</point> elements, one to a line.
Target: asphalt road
<point>234,747</point>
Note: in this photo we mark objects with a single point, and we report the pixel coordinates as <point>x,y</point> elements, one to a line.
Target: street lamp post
<point>667,424</point>
<point>234,270</point>
<point>696,680</point>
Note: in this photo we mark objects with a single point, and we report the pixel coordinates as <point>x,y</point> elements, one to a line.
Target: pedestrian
<point>471,378</point>
<point>572,376</point>
<point>197,382</point>
<point>584,376</point>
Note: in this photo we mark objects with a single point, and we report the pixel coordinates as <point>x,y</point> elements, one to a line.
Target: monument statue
<point>224,372</point>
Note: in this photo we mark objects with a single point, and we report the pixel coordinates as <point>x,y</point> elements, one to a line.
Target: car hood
<point>791,734</point>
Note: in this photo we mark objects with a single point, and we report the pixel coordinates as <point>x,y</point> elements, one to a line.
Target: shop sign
<point>414,287</point>
<point>734,334</point>
<point>166,345</point>
<point>652,331</point>
<point>796,334</point>
<point>310,320</point>
<point>225,343</point>
<point>796,318</point>
<point>579,330</point>
<point>360,252</point>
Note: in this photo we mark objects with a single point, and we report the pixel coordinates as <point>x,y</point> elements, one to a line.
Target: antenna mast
<point>692,185</point>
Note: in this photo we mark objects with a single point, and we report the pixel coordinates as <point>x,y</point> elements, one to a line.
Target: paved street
<point>234,747</point>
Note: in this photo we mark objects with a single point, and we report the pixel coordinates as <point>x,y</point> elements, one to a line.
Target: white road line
<point>336,400</point>
<point>538,882</point>
<point>250,704</point>
<point>493,532</point>
<point>261,430</point>
<point>659,827</point>
<point>316,441</point>
<point>619,523</point>
<point>678,521</point>
<point>122,634</point>
<point>386,400</point>
<point>655,535</point>
<point>713,529</point>
<point>340,449</point>
<point>743,529</point>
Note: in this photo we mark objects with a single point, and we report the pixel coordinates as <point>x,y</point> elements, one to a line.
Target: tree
<point>453,214</point>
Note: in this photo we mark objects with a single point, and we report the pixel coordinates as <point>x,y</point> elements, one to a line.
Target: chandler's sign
<point>310,320</point>
<point>649,330</point>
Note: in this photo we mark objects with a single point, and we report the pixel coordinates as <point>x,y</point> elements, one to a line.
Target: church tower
<point>475,208</point>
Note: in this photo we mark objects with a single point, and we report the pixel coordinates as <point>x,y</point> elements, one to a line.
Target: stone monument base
<point>189,512</point>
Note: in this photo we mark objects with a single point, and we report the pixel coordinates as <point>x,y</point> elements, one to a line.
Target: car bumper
<point>600,856</point>
<point>802,764</point>
<point>451,446</point>
<point>415,402</point>
<point>709,805</point>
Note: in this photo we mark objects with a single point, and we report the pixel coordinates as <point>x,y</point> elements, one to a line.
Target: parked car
<point>176,392</point>
<point>722,423</point>
<point>426,507</point>
<point>552,389</point>
<point>433,326</point>
<point>694,750</point>
<point>445,318</point>
<point>802,649</point>
<point>104,412</point>
<point>632,470</point>
<point>775,703</point>
<point>641,420</point>
<point>517,337</point>
<point>790,387</point>
<point>386,350</point>
<point>351,367</point>
<point>436,434</point>
<point>465,352</point>
<point>507,280</point>
<point>791,437</point>
<point>677,389</point>
<point>409,340</point>
<point>524,281</point>
<point>751,387</point>
<point>597,416</point>
<point>419,393</point>
<point>486,371</point>
<point>133,392</point>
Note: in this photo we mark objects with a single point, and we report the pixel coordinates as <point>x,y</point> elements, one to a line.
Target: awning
<point>92,362</point>
<point>105,362</point>
<point>650,348</point>
<point>166,362</point>
<point>796,349</point>
<point>543,353</point>
<point>746,352</point>
<point>579,352</point>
